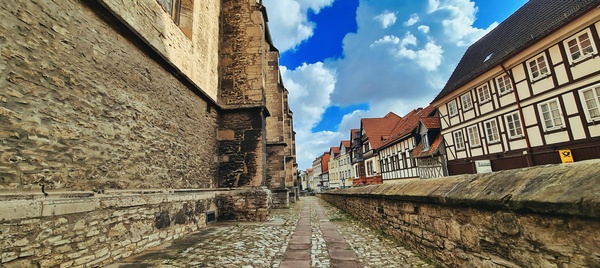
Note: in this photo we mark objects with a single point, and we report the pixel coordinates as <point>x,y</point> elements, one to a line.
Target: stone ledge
<point>564,189</point>
<point>25,205</point>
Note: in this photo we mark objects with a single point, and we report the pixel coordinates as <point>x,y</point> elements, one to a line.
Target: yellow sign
<point>566,156</point>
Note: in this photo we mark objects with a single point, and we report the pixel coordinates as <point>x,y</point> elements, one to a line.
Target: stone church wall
<point>546,216</point>
<point>85,105</point>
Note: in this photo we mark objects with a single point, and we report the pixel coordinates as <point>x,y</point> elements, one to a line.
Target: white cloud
<point>315,5</point>
<point>429,57</point>
<point>310,87</point>
<point>386,19</point>
<point>289,23</point>
<point>414,18</point>
<point>383,65</point>
<point>458,25</point>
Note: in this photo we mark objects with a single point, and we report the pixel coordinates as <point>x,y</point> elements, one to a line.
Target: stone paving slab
<point>308,234</point>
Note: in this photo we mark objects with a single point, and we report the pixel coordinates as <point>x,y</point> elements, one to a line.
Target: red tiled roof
<point>346,144</point>
<point>334,150</point>
<point>376,128</point>
<point>433,148</point>
<point>408,124</point>
<point>430,122</point>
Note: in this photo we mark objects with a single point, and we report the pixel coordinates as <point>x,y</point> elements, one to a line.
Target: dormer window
<point>425,142</point>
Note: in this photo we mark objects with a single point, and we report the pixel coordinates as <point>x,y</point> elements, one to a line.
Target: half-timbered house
<point>395,153</point>
<point>430,152</point>
<point>527,90</point>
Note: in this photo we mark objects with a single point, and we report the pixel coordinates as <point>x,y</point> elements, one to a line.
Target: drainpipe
<point>514,86</point>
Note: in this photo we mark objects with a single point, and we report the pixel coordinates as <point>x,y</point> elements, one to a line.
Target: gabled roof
<point>430,122</point>
<point>346,144</point>
<point>532,22</point>
<point>376,128</point>
<point>433,148</point>
<point>408,123</point>
<point>334,150</point>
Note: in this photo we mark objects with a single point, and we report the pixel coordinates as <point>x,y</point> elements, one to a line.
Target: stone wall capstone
<point>546,216</point>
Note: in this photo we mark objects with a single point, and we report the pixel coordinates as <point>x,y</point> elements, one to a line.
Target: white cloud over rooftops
<point>391,66</point>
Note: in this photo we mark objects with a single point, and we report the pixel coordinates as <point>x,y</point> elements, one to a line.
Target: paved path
<point>311,233</point>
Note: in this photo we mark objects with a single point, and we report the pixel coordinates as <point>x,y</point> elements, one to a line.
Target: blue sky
<point>343,60</point>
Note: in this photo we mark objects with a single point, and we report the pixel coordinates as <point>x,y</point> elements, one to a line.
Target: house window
<point>538,68</point>
<point>474,139</point>
<point>459,141</point>
<point>452,108</point>
<point>504,85</point>
<point>551,114</point>
<point>466,101</point>
<point>591,101</point>
<point>580,46</point>
<point>513,123</point>
<point>425,142</point>
<point>483,92</point>
<point>182,13</point>
<point>491,130</point>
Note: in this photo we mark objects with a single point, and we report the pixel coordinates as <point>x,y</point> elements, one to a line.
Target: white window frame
<point>466,101</point>
<point>515,120</point>
<point>425,141</point>
<point>536,62</point>
<point>484,91</point>
<point>492,132</point>
<point>474,138</point>
<point>452,108</point>
<point>553,116</point>
<point>459,140</point>
<point>586,102</point>
<point>590,50</point>
<point>504,84</point>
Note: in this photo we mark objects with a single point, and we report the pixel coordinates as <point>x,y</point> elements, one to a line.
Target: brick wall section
<point>82,228</point>
<point>83,108</point>
<point>537,217</point>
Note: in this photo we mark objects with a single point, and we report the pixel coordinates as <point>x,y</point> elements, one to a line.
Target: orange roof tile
<point>376,128</point>
<point>433,148</point>
<point>430,122</point>
<point>408,123</point>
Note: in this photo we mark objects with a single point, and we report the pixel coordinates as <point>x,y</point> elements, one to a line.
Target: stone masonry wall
<point>196,58</point>
<point>247,204</point>
<point>242,148</point>
<point>82,228</point>
<point>83,106</point>
<point>243,49</point>
<point>547,216</point>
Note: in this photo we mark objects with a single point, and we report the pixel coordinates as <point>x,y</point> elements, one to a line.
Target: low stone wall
<point>72,229</point>
<point>547,216</point>
<point>245,204</point>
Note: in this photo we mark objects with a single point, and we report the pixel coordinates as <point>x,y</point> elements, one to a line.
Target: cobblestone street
<point>311,233</point>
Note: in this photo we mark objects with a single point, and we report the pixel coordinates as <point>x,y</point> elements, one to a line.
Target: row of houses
<point>525,94</point>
